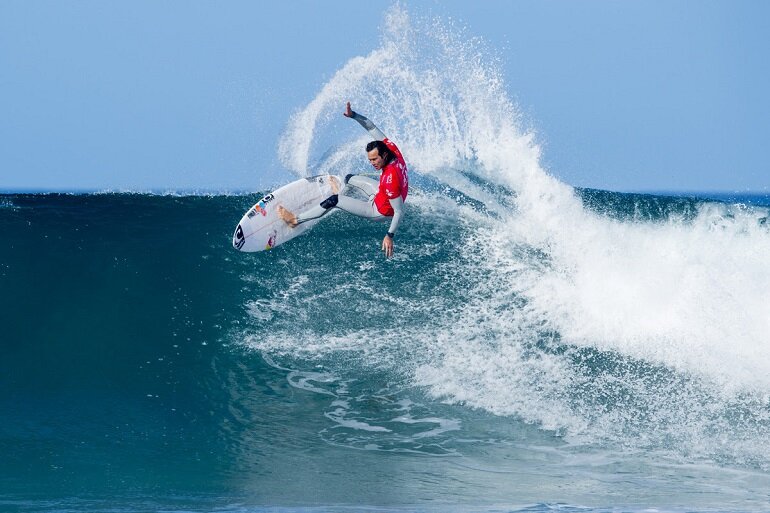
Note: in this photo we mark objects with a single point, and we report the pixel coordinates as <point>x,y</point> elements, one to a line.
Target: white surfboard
<point>261,228</point>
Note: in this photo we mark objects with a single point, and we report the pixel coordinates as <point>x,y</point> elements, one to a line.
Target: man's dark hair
<point>382,150</point>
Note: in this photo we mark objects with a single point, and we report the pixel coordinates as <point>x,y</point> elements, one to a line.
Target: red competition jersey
<point>394,181</point>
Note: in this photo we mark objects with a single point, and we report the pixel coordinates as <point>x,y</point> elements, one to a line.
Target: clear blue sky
<point>175,95</point>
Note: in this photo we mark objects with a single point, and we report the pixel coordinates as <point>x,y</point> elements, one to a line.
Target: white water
<point>683,305</point>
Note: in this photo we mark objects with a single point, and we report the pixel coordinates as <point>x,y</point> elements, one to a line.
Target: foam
<point>648,333</point>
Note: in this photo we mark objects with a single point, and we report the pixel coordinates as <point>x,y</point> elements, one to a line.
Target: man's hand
<point>348,111</point>
<point>387,246</point>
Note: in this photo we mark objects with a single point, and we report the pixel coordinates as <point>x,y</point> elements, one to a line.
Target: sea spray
<point>648,333</point>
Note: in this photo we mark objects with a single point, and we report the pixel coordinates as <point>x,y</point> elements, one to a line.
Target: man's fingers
<point>387,247</point>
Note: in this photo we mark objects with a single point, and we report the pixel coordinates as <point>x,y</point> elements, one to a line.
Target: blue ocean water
<point>148,366</point>
<point>530,346</point>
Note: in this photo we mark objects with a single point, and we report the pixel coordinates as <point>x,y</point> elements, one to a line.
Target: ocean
<point>531,346</point>
<point>148,366</point>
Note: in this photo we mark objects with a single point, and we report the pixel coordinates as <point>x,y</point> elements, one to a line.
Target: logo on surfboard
<point>239,240</point>
<point>271,240</point>
<point>260,207</point>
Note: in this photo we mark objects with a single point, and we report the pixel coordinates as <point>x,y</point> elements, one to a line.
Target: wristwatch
<point>390,234</point>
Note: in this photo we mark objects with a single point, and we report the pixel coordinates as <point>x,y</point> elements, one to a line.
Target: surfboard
<point>261,228</point>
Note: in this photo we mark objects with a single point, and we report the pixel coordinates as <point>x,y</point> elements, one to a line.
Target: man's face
<point>375,158</point>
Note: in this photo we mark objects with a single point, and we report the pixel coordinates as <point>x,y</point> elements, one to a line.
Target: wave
<point>632,320</point>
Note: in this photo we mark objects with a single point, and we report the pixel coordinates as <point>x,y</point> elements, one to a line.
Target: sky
<point>654,95</point>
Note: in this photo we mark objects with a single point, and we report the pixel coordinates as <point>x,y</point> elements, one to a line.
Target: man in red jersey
<point>386,198</point>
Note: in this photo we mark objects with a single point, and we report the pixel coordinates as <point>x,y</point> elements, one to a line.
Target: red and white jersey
<point>394,181</point>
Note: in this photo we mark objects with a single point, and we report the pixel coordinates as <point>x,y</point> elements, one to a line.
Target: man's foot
<point>287,216</point>
<point>334,184</point>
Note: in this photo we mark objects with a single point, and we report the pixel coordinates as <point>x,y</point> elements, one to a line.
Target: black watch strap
<point>391,234</point>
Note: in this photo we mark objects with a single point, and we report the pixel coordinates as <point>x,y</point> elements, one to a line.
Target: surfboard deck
<point>261,228</point>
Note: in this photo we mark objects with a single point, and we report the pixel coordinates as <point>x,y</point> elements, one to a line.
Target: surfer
<point>386,198</point>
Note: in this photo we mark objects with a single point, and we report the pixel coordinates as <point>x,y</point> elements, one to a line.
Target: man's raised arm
<point>375,132</point>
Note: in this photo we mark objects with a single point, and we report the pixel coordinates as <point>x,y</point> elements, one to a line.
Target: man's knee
<point>330,202</point>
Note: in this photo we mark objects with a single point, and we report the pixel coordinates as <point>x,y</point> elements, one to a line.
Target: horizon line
<point>225,191</point>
